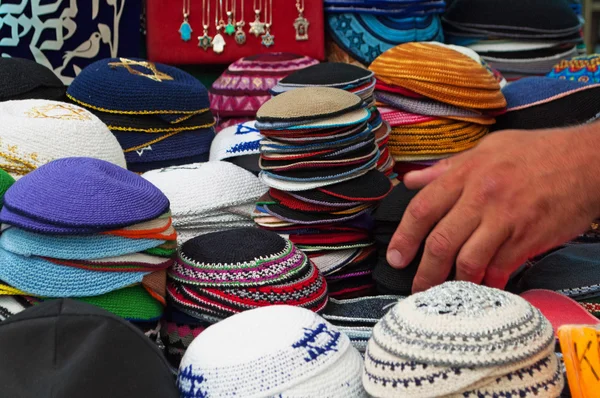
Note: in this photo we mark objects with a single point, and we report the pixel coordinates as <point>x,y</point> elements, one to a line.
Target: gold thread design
<point>58,111</point>
<point>169,112</point>
<point>156,75</point>
<point>162,137</point>
<point>160,130</point>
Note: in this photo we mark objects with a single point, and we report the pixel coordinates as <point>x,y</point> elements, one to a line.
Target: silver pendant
<point>301,25</point>
<point>218,43</point>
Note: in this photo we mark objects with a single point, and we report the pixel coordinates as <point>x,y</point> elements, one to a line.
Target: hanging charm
<point>185,30</point>
<point>268,39</point>
<point>218,42</point>
<point>257,27</point>
<point>301,23</point>
<point>205,41</point>
<point>230,27</point>
<point>240,35</point>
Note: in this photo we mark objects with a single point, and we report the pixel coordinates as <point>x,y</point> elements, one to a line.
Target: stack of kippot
<point>462,340</point>
<point>87,229</point>
<point>544,102</point>
<point>159,114</point>
<point>573,271</point>
<point>238,93</point>
<point>356,317</point>
<point>238,144</point>
<point>318,156</point>
<point>584,69</point>
<point>519,38</point>
<point>208,197</point>
<point>347,77</point>
<point>35,132</point>
<point>387,217</point>
<point>26,79</point>
<point>278,351</point>
<point>442,100</point>
<point>366,28</point>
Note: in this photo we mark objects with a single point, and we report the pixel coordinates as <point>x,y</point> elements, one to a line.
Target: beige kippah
<point>306,104</point>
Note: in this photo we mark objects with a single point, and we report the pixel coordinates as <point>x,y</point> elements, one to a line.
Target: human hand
<point>514,196</point>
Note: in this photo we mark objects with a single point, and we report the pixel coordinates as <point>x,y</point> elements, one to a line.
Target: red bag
<point>164,43</point>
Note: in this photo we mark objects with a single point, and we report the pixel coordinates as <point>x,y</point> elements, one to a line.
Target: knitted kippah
<point>238,140</point>
<point>272,351</point>
<point>306,104</point>
<point>118,122</point>
<point>85,192</point>
<point>271,63</point>
<point>462,324</point>
<point>532,91</point>
<point>39,131</point>
<point>80,350</point>
<point>136,86</point>
<point>514,15</point>
<point>327,74</point>
<point>584,69</point>
<point>372,186</point>
<point>26,79</point>
<point>441,73</point>
<point>6,182</point>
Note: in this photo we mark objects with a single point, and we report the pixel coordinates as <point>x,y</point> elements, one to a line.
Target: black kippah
<point>26,79</point>
<point>327,74</point>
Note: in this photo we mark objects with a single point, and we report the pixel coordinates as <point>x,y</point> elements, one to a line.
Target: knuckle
<point>469,267</point>
<point>418,208</point>
<point>438,245</point>
<point>402,240</point>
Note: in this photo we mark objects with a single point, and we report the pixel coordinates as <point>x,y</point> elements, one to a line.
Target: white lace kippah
<point>35,132</point>
<point>278,351</point>
<point>237,140</point>
<point>463,324</point>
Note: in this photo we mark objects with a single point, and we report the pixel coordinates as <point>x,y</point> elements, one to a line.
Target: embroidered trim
<point>161,130</point>
<point>97,108</point>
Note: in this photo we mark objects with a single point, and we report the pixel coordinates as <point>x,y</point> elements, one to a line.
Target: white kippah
<point>35,132</point>
<point>237,140</point>
<point>278,351</point>
<point>208,197</point>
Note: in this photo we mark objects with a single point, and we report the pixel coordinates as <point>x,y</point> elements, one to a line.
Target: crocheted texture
<point>372,186</point>
<point>533,91</point>
<point>107,196</point>
<point>462,324</point>
<point>458,80</point>
<point>153,123</point>
<point>290,346</point>
<point>238,140</point>
<point>270,63</point>
<point>6,181</point>
<point>582,69</point>
<point>26,79</point>
<point>327,74</point>
<point>37,132</point>
<point>59,280</point>
<point>135,86</point>
<point>309,103</point>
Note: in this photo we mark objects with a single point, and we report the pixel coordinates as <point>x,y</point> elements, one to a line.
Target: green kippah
<point>6,181</point>
<point>133,303</point>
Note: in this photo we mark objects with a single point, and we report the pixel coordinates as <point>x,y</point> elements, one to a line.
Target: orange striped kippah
<point>440,73</point>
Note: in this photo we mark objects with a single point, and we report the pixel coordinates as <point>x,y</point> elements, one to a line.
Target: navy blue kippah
<point>136,86</point>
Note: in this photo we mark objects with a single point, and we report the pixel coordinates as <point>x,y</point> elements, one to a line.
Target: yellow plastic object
<point>580,346</point>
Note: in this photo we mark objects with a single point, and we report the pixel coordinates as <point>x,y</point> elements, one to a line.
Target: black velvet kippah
<point>233,246</point>
<point>26,79</point>
<point>374,185</point>
<point>391,209</point>
<point>327,74</point>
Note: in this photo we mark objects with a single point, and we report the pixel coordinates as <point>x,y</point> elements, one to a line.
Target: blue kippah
<point>85,192</point>
<point>136,86</point>
<point>530,90</point>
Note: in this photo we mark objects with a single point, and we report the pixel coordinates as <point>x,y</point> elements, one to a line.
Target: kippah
<point>135,86</point>
<point>330,74</point>
<point>26,79</point>
<point>108,196</point>
<point>6,182</point>
<point>583,69</point>
<point>308,103</point>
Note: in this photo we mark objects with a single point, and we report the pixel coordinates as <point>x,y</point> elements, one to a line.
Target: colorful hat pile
<point>239,92</point>
<point>101,234</point>
<point>223,273</point>
<point>573,271</point>
<point>462,339</point>
<point>350,78</point>
<point>584,69</point>
<point>26,79</point>
<point>319,157</point>
<point>238,144</point>
<point>365,29</point>
<point>159,114</point>
<point>440,100</point>
<point>36,132</point>
<point>278,351</point>
<point>356,317</point>
<point>544,102</point>
<point>208,197</point>
<point>514,38</point>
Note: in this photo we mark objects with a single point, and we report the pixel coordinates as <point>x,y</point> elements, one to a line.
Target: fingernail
<point>394,258</point>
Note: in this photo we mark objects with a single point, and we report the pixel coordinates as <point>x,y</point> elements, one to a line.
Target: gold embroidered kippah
<point>306,104</point>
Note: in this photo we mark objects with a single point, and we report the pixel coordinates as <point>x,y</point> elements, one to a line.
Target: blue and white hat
<point>239,140</point>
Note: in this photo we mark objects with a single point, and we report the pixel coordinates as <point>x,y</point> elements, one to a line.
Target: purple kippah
<point>82,193</point>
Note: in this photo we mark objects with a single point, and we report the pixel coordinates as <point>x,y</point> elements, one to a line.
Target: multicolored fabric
<point>584,69</point>
<point>237,105</point>
<point>365,37</point>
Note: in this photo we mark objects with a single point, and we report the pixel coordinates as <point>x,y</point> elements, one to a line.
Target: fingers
<point>479,250</point>
<point>508,258</point>
<point>419,178</point>
<point>423,212</point>
<point>443,245</point>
